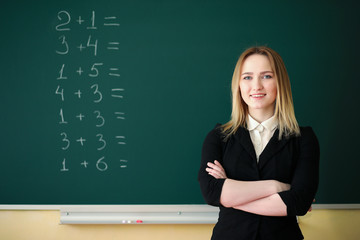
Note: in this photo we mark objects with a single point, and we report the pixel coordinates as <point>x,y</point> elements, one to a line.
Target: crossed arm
<point>258,197</point>
<point>268,197</point>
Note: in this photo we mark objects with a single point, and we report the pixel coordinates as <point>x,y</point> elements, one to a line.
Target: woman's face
<point>258,85</point>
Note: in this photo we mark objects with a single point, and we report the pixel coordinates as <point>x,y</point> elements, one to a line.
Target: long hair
<point>284,107</point>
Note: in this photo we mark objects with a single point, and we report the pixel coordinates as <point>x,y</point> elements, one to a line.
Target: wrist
<point>276,187</point>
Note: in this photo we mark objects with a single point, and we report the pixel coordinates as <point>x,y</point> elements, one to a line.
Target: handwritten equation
<point>94,89</point>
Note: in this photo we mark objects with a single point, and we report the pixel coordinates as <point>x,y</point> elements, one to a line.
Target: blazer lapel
<point>272,148</point>
<point>243,136</point>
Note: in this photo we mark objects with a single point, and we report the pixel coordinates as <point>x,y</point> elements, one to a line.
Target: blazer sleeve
<point>305,180</point>
<point>212,150</point>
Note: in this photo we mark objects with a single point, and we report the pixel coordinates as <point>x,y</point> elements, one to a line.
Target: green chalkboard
<point>108,102</point>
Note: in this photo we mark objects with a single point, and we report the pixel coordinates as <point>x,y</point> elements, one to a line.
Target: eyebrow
<point>250,73</point>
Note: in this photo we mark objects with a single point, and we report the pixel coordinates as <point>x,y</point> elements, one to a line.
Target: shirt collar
<point>270,124</point>
<point>251,123</point>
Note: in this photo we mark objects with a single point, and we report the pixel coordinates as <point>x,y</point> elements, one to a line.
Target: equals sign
<point>117,90</point>
<point>113,46</point>
<point>120,115</point>
<point>123,163</point>
<point>121,140</point>
<point>112,70</point>
<point>111,21</point>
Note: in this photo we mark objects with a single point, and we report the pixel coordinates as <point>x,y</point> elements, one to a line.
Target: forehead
<point>256,63</point>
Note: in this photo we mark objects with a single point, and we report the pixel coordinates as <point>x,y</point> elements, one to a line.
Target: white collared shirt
<point>260,133</point>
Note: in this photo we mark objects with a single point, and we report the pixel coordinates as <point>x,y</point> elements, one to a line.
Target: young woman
<point>260,168</point>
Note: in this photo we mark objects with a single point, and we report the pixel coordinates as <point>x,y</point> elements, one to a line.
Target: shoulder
<point>307,132</point>
<point>216,132</point>
<point>213,142</point>
<point>215,135</point>
<point>308,137</point>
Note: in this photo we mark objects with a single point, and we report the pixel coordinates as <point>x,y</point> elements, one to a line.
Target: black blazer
<point>293,160</point>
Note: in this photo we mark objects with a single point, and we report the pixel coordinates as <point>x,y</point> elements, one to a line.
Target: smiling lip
<point>258,95</point>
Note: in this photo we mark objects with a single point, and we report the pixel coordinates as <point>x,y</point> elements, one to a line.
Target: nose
<point>257,84</point>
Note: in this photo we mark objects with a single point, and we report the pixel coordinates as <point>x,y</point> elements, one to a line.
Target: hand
<point>216,170</point>
<point>310,209</point>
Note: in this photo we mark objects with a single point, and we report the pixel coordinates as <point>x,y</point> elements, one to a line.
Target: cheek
<point>243,90</point>
<point>275,91</point>
<point>272,88</point>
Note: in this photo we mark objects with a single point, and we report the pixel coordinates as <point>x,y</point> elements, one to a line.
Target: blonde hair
<point>284,107</point>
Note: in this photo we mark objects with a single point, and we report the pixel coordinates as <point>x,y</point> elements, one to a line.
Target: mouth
<point>258,95</point>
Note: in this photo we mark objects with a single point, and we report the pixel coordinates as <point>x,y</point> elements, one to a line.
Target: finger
<point>217,170</point>
<point>217,176</point>
<point>216,167</point>
<point>210,170</point>
<point>215,173</point>
<point>218,164</point>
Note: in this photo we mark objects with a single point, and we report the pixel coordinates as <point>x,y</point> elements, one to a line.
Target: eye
<point>247,78</point>
<point>267,76</point>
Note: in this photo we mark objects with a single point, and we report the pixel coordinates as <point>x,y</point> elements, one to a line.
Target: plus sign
<point>81,47</point>
<point>84,163</point>
<point>78,93</point>
<point>80,116</point>
<point>80,20</point>
<point>81,140</point>
<point>80,71</point>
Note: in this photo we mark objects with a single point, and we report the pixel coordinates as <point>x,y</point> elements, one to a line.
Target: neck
<point>261,115</point>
